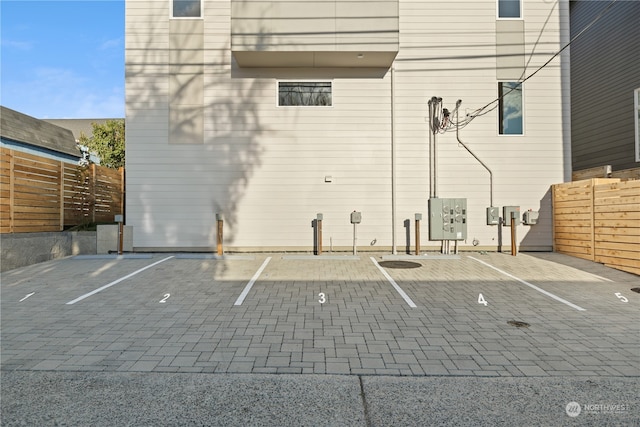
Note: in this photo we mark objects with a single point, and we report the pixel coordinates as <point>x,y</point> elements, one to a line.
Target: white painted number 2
<point>481,300</point>
<point>323,298</point>
<point>163,300</point>
<point>621,297</point>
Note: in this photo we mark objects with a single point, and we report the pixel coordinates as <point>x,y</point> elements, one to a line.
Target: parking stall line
<point>394,284</point>
<point>524,282</point>
<point>115,282</point>
<point>249,285</point>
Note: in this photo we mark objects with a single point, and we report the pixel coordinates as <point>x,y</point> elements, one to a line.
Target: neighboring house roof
<point>78,126</point>
<point>27,130</point>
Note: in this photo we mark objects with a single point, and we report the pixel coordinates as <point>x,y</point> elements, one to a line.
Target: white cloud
<point>63,93</point>
<point>16,44</point>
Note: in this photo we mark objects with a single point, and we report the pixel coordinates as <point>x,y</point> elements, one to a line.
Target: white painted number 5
<point>163,300</point>
<point>323,298</point>
<point>481,300</point>
<point>621,297</point>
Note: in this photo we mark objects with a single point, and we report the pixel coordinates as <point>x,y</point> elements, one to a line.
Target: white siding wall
<point>264,166</point>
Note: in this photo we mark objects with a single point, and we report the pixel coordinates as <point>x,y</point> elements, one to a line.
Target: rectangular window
<point>186,8</point>
<point>510,118</point>
<point>304,94</point>
<point>636,115</point>
<point>509,9</point>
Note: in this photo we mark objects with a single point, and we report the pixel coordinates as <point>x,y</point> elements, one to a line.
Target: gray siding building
<point>605,81</point>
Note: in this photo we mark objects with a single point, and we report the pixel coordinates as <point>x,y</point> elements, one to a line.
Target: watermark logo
<point>573,409</point>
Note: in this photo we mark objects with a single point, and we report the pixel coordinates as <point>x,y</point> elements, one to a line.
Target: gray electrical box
<point>530,217</point>
<point>418,217</point>
<point>447,219</point>
<point>319,217</point>
<point>506,215</point>
<point>356,217</point>
<point>493,215</point>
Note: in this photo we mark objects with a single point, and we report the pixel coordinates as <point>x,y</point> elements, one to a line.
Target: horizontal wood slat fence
<point>599,220</point>
<point>41,194</point>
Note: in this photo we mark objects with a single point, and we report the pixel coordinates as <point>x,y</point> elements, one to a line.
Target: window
<point>509,9</point>
<point>510,120</point>
<point>304,93</point>
<point>186,9</point>
<point>636,115</point>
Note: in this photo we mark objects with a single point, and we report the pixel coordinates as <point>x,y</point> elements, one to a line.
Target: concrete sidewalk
<point>118,399</point>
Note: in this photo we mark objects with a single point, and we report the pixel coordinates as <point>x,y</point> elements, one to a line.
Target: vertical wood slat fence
<point>41,194</point>
<point>599,220</point>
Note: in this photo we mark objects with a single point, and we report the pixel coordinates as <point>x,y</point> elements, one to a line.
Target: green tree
<point>107,142</point>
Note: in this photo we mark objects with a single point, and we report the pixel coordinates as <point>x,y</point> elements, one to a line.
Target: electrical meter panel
<point>506,215</point>
<point>493,215</point>
<point>447,219</point>
<point>530,217</point>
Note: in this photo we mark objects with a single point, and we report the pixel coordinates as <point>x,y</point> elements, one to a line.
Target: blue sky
<point>63,59</point>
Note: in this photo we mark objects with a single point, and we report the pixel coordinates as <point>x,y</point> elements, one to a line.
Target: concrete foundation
<point>22,249</point>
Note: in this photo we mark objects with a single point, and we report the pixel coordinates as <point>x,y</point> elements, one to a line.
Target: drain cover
<point>399,264</point>
<point>636,290</point>
<point>518,324</point>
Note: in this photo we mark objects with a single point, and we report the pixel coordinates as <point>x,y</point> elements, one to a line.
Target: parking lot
<point>475,315</point>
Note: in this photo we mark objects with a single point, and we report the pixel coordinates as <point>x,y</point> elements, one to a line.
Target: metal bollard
<point>319,233</point>
<point>418,219</point>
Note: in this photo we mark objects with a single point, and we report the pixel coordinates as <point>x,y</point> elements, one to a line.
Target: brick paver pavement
<point>331,315</point>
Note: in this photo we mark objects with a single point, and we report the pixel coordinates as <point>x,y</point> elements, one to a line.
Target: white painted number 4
<point>621,297</point>
<point>481,300</point>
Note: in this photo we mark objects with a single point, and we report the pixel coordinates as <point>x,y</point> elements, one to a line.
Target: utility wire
<point>480,111</point>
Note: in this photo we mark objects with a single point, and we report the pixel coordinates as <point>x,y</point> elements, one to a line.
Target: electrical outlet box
<point>418,217</point>
<point>506,215</point>
<point>356,217</point>
<point>493,215</point>
<point>530,217</point>
<point>447,219</point>
<point>319,217</point>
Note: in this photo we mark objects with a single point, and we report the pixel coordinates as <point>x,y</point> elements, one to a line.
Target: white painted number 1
<point>163,300</point>
<point>621,297</point>
<point>323,298</point>
<point>481,300</point>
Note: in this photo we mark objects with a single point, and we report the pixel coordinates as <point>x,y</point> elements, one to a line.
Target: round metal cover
<point>518,324</point>
<point>399,264</point>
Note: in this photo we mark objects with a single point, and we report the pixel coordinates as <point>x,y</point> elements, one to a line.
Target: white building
<point>214,124</point>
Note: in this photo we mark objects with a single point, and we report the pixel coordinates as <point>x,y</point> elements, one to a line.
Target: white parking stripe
<point>115,282</point>
<point>524,282</point>
<point>394,284</point>
<point>247,288</point>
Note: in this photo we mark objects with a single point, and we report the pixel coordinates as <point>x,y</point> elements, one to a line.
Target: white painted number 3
<point>481,300</point>
<point>166,297</point>
<point>323,298</point>
<point>621,297</point>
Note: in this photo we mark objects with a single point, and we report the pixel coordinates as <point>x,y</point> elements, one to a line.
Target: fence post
<point>61,195</point>
<point>592,215</point>
<point>122,193</point>
<point>12,184</point>
<point>92,192</point>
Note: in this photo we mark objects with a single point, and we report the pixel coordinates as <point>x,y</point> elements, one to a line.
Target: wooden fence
<point>42,194</point>
<point>599,220</point>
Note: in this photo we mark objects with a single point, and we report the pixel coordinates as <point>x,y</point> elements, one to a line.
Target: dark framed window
<point>509,9</point>
<point>186,8</point>
<point>304,94</point>
<point>510,117</point>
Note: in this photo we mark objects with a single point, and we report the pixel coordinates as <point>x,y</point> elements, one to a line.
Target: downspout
<point>431,151</point>
<point>393,163</point>
<point>471,152</point>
